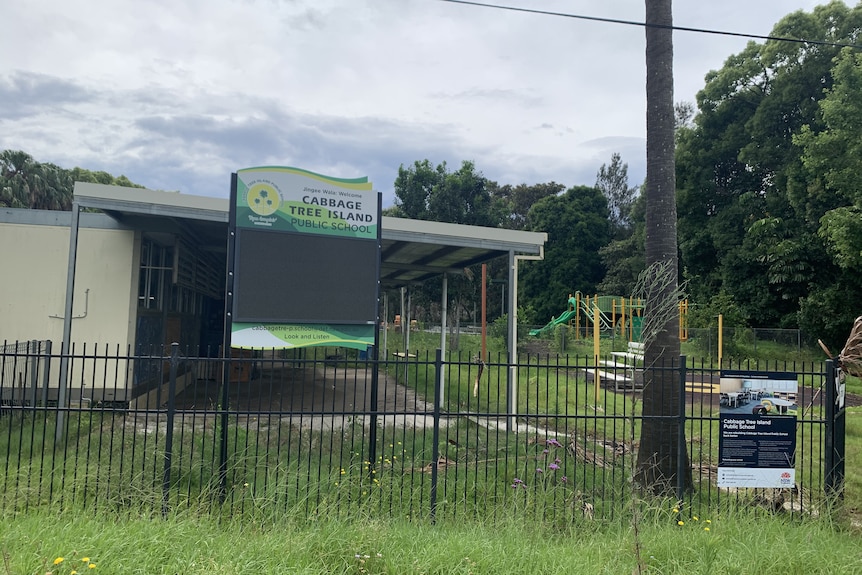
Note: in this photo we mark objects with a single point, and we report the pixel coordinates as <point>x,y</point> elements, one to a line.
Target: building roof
<point>411,250</point>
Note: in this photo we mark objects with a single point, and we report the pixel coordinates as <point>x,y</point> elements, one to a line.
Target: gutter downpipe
<point>66,348</point>
<point>512,379</point>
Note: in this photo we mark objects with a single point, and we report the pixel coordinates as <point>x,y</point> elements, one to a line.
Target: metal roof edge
<point>26,216</point>
<point>478,236</point>
<point>178,205</point>
<point>157,203</point>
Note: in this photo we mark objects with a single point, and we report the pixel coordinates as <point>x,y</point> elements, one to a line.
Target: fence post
<point>372,414</point>
<point>46,374</point>
<point>65,354</point>
<point>435,441</point>
<point>223,421</point>
<point>33,350</point>
<point>169,432</point>
<point>833,481</point>
<point>680,440</point>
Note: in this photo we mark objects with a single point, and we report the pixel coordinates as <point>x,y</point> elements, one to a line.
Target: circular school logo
<point>263,199</point>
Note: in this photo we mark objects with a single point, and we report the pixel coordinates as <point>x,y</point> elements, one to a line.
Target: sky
<point>178,94</point>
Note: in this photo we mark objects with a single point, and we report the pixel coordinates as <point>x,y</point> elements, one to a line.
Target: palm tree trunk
<point>659,452</point>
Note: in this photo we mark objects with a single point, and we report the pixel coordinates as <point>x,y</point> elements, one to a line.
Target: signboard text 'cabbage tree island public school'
<point>306,260</point>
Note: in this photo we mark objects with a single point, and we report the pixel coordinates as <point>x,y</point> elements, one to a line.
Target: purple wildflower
<point>539,470</point>
<point>553,467</point>
<point>553,442</point>
<point>564,479</point>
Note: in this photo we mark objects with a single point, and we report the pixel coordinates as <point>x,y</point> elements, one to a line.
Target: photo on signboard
<point>757,429</point>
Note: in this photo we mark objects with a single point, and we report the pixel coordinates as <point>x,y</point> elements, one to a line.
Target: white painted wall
<point>34,260</point>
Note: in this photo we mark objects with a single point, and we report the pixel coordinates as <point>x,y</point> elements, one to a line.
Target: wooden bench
<point>634,351</point>
<point>625,368</point>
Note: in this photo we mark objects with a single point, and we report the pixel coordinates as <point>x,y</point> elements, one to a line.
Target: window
<point>156,262</point>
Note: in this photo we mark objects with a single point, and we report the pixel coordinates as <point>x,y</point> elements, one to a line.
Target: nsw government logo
<point>785,478</point>
<point>263,198</point>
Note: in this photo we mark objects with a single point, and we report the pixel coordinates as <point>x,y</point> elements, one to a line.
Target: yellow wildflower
<point>58,560</point>
<point>680,522</point>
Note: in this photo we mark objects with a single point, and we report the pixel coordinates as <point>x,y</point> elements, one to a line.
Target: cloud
<point>176,96</point>
<point>27,94</point>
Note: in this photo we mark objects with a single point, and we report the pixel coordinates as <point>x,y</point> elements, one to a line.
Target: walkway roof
<point>412,250</point>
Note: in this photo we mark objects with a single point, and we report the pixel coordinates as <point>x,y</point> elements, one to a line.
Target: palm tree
<point>660,452</point>
<point>25,183</point>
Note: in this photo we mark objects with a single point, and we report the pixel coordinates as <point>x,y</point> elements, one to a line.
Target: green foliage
<point>703,315</point>
<point>828,312</point>
<point>613,181</point>
<point>26,183</point>
<point>768,173</point>
<point>577,225</point>
<point>514,202</point>
<point>424,192</point>
<point>624,258</point>
<point>832,161</point>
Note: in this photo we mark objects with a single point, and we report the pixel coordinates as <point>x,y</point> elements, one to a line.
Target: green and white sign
<point>293,200</point>
<point>285,335</point>
<point>306,260</point>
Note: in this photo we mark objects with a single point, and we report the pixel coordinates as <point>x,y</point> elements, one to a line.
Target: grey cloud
<point>27,94</point>
<point>166,140</point>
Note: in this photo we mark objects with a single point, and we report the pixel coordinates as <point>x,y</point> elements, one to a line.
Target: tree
<point>414,186</point>
<point>624,258</point>
<point>513,203</point>
<point>425,192</point>
<point>25,183</point>
<point>613,181</point>
<point>577,226</point>
<point>757,172</point>
<point>683,113</point>
<point>660,451</point>
<point>832,158</point>
<point>832,168</point>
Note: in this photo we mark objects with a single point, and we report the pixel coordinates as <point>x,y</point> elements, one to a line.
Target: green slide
<point>564,318</point>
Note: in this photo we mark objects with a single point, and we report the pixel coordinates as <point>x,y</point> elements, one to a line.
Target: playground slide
<point>564,318</point>
<point>606,306</point>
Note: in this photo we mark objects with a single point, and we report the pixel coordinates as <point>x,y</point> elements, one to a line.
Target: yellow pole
<point>596,335</point>
<point>578,315</point>
<point>623,317</point>
<point>683,320</point>
<point>720,338</point>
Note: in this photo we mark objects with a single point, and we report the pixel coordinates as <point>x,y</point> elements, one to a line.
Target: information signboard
<point>306,260</point>
<point>757,418</point>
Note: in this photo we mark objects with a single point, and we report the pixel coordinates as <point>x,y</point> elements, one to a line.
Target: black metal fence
<point>338,433</point>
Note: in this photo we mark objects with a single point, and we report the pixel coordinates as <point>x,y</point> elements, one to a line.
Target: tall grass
<point>734,543</point>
